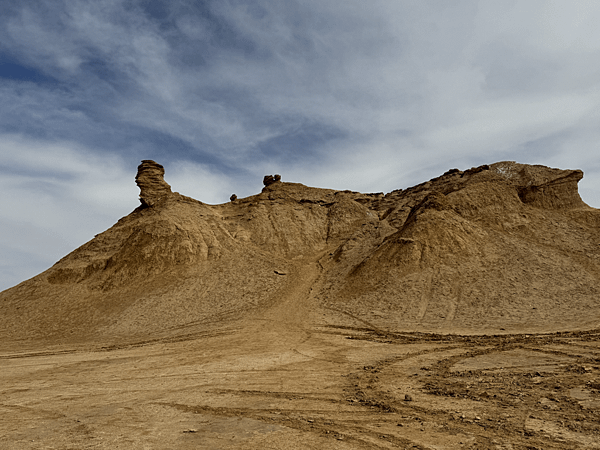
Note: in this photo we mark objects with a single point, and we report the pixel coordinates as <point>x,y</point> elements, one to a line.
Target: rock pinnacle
<point>150,180</point>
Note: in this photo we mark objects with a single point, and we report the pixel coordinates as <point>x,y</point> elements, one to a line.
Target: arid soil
<point>461,313</point>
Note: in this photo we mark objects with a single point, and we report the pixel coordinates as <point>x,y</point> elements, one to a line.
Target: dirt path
<point>289,320</point>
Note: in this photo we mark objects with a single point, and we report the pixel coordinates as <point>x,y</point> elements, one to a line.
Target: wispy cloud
<point>366,96</point>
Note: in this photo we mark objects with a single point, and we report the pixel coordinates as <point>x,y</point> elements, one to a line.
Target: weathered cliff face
<point>506,243</point>
<point>507,246</point>
<point>542,186</point>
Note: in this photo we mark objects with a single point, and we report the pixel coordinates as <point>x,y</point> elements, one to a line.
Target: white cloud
<point>199,182</point>
<point>340,94</point>
<point>56,196</point>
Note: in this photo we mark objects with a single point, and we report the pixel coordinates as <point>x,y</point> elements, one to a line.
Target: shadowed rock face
<point>150,180</point>
<point>270,179</point>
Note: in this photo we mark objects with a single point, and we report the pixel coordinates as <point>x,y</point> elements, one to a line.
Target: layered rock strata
<point>150,180</point>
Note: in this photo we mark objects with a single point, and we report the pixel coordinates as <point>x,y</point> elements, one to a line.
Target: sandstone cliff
<point>501,247</point>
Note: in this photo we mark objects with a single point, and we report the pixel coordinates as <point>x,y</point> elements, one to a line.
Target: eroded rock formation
<point>270,179</point>
<point>494,247</point>
<point>150,180</point>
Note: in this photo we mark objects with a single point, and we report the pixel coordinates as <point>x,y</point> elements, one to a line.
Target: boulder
<point>270,179</point>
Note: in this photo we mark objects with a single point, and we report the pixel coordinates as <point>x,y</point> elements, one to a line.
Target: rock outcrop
<point>150,180</point>
<point>542,186</point>
<point>270,179</point>
<point>501,246</point>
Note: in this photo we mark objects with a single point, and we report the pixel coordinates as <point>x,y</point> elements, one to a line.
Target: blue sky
<point>369,96</point>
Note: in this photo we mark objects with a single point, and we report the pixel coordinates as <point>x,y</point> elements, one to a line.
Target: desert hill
<point>462,313</point>
<point>501,248</point>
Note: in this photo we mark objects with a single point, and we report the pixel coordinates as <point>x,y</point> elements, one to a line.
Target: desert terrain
<point>462,313</point>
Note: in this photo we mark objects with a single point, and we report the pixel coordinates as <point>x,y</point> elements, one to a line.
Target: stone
<point>474,170</point>
<point>150,180</point>
<point>451,172</point>
<point>270,179</point>
<point>233,197</point>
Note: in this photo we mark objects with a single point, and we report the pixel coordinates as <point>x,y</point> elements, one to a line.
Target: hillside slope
<point>501,247</point>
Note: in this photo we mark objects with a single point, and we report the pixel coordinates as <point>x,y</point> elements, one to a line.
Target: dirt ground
<point>296,375</point>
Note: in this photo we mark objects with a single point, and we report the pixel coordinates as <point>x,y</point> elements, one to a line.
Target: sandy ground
<point>297,376</point>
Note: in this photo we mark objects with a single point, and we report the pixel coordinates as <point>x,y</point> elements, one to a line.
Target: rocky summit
<point>150,180</point>
<point>459,313</point>
<point>505,246</point>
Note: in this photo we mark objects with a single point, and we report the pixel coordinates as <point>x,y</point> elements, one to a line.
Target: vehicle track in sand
<point>298,376</point>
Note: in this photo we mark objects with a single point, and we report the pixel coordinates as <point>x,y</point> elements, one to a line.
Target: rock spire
<point>270,179</point>
<point>150,180</point>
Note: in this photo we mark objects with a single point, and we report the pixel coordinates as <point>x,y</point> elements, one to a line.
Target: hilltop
<point>504,247</point>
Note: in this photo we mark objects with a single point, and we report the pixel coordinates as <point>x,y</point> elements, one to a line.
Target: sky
<point>370,96</point>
